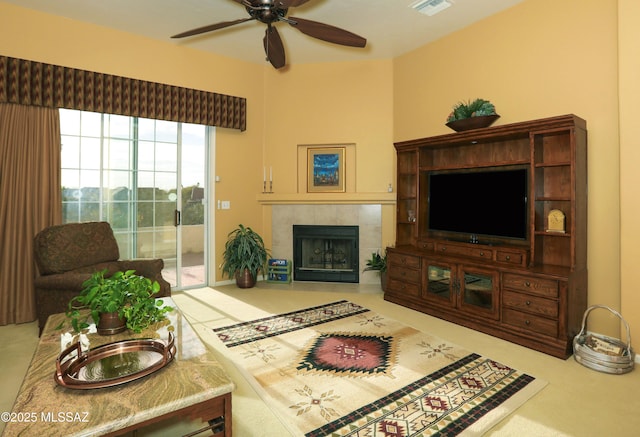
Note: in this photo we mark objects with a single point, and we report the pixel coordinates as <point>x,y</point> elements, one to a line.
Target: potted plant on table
<point>245,255</point>
<point>124,300</point>
<point>378,263</point>
<point>472,115</point>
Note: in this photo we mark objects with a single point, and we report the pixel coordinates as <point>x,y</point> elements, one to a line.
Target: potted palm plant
<point>124,300</point>
<point>244,256</point>
<point>378,263</point>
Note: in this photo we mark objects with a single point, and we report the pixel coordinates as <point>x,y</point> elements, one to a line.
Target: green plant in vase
<point>475,108</point>
<point>244,257</point>
<point>125,294</point>
<point>378,263</point>
<point>474,114</point>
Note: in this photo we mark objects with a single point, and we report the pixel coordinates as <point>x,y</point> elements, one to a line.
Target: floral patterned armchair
<point>68,254</point>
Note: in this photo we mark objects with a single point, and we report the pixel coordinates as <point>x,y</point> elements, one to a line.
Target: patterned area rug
<point>341,370</point>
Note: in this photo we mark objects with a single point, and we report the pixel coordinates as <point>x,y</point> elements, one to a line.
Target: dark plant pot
<point>245,279</point>
<point>111,323</point>
<point>383,280</point>
<point>472,122</point>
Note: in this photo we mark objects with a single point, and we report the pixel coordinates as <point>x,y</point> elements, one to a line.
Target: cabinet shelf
<point>553,199</point>
<point>553,234</point>
<point>552,164</point>
<point>474,165</point>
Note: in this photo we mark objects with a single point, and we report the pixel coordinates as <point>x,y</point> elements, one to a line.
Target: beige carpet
<point>340,369</point>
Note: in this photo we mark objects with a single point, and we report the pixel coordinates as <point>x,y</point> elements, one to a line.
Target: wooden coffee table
<point>193,385</point>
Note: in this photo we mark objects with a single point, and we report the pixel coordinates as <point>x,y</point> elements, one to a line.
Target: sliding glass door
<point>147,178</point>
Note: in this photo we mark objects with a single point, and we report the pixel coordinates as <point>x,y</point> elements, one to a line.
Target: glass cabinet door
<point>479,291</point>
<point>439,284</point>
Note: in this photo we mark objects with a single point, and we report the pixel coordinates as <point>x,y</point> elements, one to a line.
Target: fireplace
<point>325,253</point>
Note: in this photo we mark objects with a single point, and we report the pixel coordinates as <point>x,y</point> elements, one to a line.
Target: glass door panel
<point>192,231</point>
<point>439,284</point>
<point>479,291</point>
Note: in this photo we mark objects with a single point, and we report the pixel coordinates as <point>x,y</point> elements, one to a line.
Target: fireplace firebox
<point>325,253</point>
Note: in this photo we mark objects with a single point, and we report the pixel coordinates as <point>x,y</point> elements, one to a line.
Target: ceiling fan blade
<point>273,47</point>
<point>327,33</point>
<point>211,27</point>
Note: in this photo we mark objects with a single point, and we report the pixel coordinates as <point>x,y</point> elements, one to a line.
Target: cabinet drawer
<point>403,288</point>
<point>428,246</point>
<point>542,287</point>
<point>402,259</point>
<point>530,304</point>
<point>510,257</point>
<point>530,322</point>
<point>405,274</point>
<point>474,252</point>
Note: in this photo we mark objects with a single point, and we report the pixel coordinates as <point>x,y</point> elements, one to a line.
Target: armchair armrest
<point>149,268</point>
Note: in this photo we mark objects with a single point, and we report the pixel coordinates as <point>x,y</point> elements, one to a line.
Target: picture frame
<point>325,170</point>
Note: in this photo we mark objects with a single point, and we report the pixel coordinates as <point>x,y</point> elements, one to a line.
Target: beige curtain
<point>30,200</point>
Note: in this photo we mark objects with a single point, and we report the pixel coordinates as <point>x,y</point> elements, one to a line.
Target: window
<point>139,175</point>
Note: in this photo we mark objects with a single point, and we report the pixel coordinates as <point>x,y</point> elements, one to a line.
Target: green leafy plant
<point>244,249</point>
<point>377,262</point>
<point>128,294</point>
<point>475,108</point>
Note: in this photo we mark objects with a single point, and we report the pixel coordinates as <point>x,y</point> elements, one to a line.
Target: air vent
<point>430,7</point>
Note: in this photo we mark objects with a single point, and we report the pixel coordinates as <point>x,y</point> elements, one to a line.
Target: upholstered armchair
<point>67,255</point>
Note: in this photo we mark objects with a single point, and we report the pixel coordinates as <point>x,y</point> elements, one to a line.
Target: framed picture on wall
<point>325,169</point>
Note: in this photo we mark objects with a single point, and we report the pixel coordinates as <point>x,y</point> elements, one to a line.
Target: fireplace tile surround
<point>368,217</point>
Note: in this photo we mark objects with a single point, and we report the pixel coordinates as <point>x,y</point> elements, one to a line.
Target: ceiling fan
<point>270,12</point>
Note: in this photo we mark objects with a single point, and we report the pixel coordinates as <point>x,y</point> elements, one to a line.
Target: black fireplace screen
<point>325,253</point>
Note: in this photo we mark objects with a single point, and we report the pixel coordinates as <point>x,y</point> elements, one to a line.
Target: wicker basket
<point>603,353</point>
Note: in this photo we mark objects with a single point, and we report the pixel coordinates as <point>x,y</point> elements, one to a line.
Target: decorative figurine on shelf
<point>556,221</point>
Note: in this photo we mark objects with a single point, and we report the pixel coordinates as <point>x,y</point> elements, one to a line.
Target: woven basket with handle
<point>600,352</point>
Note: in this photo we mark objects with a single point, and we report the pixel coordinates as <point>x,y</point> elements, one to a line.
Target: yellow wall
<point>538,59</point>
<point>344,103</point>
<point>629,12</point>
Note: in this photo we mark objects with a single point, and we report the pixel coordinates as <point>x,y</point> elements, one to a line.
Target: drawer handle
<point>508,257</point>
<point>443,249</point>
<point>527,283</point>
<point>528,302</point>
<point>526,322</point>
<point>481,253</point>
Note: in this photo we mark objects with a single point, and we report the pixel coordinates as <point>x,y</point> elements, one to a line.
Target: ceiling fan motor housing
<point>266,11</point>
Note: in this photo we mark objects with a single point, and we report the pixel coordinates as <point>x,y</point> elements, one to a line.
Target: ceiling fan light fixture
<point>430,7</point>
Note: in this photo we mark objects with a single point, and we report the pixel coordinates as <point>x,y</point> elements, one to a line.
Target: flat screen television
<point>488,202</point>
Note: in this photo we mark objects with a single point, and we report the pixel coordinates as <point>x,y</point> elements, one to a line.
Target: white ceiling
<point>391,27</point>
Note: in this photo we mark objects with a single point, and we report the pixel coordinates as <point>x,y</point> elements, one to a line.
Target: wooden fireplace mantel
<point>326,198</point>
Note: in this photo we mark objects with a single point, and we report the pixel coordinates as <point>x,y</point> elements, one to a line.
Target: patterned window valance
<point>37,84</point>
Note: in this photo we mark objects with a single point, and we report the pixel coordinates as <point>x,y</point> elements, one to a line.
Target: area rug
<point>341,370</point>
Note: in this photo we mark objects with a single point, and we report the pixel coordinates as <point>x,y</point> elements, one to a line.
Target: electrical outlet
<point>226,204</point>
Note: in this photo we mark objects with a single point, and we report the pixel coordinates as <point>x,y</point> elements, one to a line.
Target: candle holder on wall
<point>264,181</point>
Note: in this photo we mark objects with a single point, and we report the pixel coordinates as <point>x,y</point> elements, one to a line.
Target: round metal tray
<point>112,364</point>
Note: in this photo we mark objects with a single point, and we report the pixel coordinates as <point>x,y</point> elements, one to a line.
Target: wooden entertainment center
<point>531,291</point>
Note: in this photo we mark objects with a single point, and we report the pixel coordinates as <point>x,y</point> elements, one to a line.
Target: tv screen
<point>488,202</point>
